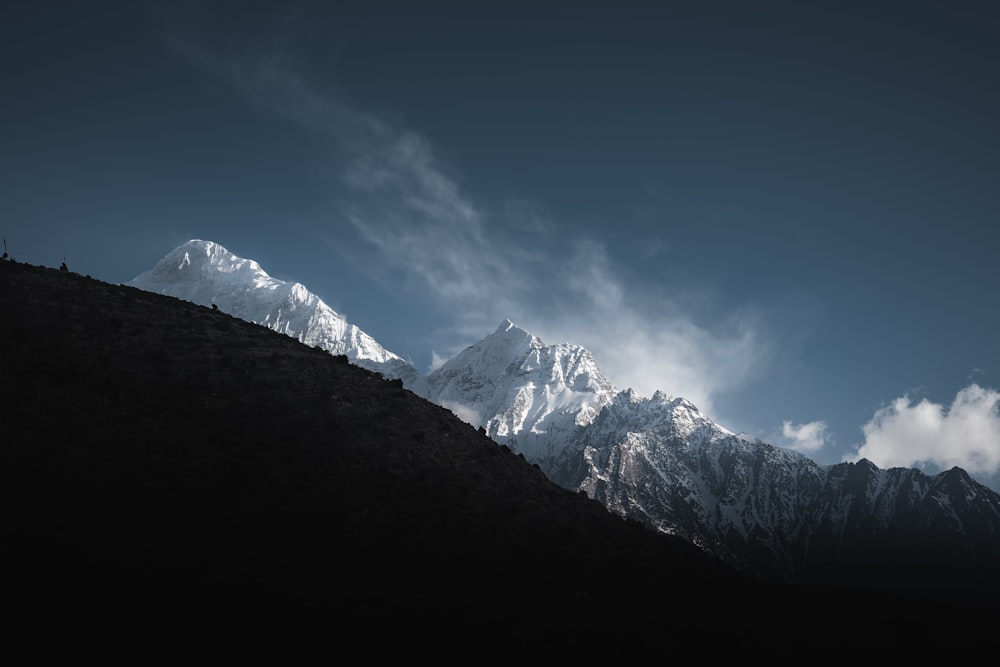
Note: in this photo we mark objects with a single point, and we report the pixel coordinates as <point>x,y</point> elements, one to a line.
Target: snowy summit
<point>659,460</point>
<point>206,273</point>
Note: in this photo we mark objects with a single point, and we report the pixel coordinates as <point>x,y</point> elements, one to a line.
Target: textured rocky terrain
<point>170,473</point>
<point>769,512</point>
<point>162,461</point>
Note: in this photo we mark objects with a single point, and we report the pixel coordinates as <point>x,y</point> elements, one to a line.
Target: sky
<point>785,212</point>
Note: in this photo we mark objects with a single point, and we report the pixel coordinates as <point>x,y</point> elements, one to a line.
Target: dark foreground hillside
<point>164,465</point>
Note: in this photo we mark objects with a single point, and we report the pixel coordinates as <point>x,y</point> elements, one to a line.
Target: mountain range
<point>768,511</point>
<point>174,479</point>
<point>173,476</point>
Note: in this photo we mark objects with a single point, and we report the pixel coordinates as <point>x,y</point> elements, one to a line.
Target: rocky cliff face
<point>772,511</point>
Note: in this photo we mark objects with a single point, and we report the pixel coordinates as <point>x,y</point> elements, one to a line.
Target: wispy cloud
<point>527,215</point>
<point>437,361</point>
<point>965,434</point>
<point>806,438</point>
<point>643,339</point>
<point>480,266</point>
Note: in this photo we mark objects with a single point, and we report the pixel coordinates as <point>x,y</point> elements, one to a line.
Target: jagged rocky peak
<point>679,406</point>
<point>510,358</point>
<point>769,510</point>
<point>686,416</point>
<point>495,353</point>
<point>512,331</point>
<point>526,394</point>
<point>665,414</point>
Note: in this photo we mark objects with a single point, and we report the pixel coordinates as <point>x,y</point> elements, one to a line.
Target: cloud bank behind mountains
<point>908,433</point>
<point>806,438</point>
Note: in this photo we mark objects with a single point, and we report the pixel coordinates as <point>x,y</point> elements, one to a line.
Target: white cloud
<point>908,434</point>
<point>422,222</point>
<point>479,267</point>
<point>437,361</point>
<point>398,198</point>
<point>810,437</point>
<point>643,339</point>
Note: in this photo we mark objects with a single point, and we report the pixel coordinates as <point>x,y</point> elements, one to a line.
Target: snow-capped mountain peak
<point>657,459</point>
<point>194,267</point>
<point>514,385</point>
<point>206,273</point>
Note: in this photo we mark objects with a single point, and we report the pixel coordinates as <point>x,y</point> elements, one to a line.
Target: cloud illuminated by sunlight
<point>643,339</point>
<point>806,438</point>
<point>480,266</point>
<point>437,361</point>
<point>965,434</point>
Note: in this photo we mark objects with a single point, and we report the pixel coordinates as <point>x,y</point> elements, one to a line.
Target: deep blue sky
<point>785,212</point>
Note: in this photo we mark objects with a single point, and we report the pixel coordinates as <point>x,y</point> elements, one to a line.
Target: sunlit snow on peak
<point>206,273</point>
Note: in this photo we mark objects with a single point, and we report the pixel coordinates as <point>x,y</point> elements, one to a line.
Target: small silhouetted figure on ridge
<point>63,267</point>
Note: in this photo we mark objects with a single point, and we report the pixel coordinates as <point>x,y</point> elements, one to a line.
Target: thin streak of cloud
<point>409,208</point>
<point>645,341</point>
<point>400,200</point>
<point>527,216</point>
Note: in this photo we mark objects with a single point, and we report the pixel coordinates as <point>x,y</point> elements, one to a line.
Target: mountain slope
<point>207,274</point>
<point>765,510</point>
<point>176,478</point>
<point>165,463</point>
<point>779,514</point>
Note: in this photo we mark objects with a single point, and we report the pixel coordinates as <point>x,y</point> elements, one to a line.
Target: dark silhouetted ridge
<point>162,461</point>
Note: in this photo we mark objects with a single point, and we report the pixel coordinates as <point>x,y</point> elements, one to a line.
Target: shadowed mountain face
<point>163,460</point>
<point>769,512</point>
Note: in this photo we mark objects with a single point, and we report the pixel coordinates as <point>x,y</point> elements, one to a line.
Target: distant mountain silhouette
<point>162,460</point>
